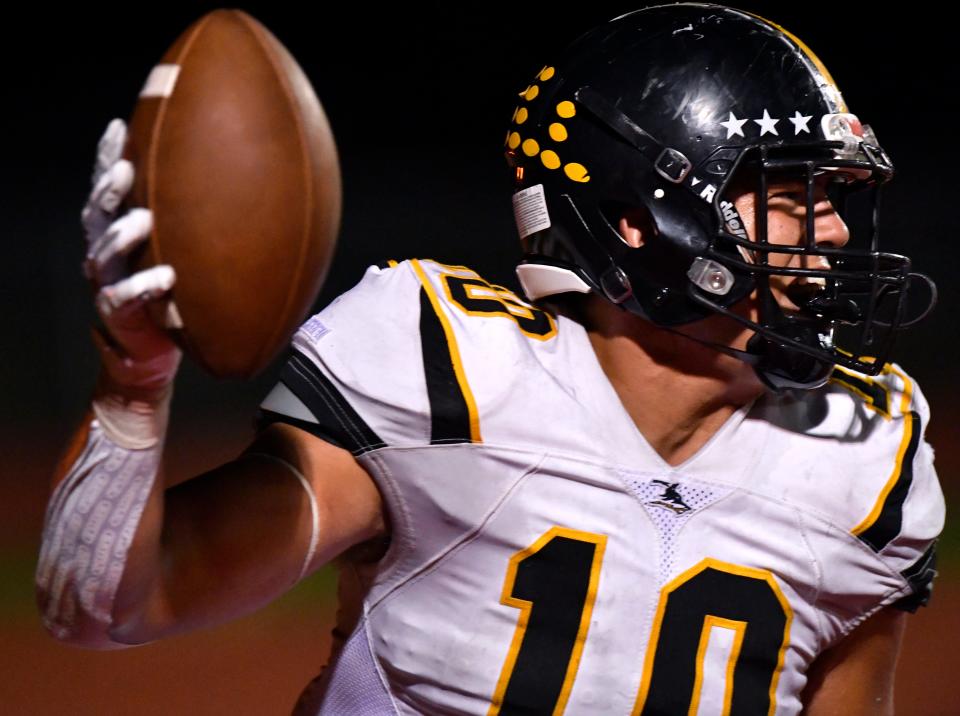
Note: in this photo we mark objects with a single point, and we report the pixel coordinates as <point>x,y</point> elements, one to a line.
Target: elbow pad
<point>91,520</point>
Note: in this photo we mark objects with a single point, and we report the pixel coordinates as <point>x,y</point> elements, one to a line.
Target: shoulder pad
<point>891,393</point>
<point>354,374</point>
<point>900,508</point>
<point>411,355</point>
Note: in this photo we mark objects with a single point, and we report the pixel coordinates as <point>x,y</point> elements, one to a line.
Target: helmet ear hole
<point>633,224</point>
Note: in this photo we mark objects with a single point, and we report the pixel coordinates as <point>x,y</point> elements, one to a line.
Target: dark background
<point>419,97</point>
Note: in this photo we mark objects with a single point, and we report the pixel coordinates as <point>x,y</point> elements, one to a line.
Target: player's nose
<point>830,230</point>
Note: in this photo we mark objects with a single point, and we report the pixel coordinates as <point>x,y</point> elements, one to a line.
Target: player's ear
<point>636,226</point>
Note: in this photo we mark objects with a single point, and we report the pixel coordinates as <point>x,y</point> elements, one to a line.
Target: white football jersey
<point>544,559</point>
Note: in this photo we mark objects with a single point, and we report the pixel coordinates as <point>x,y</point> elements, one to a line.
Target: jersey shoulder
<point>408,356</point>
<point>892,394</point>
<point>462,294</point>
<point>901,502</point>
<point>875,471</point>
<point>353,374</point>
<point>514,363</point>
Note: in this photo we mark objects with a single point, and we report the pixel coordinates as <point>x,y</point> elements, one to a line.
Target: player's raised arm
<point>125,559</point>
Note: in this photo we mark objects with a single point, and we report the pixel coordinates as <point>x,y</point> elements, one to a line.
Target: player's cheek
<point>784,229</point>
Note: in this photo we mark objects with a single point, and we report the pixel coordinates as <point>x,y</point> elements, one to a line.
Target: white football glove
<point>139,358</point>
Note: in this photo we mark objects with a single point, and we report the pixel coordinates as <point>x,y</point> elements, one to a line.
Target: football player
<point>657,485</point>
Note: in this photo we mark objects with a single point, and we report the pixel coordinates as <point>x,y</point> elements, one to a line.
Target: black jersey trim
<point>449,410</point>
<point>920,575</point>
<point>890,520</point>
<point>337,421</point>
<point>265,418</point>
<point>875,394</point>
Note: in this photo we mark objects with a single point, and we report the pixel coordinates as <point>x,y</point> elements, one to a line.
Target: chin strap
<point>778,368</point>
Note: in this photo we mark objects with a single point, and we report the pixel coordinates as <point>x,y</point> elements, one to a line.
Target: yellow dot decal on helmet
<point>531,93</point>
<point>545,74</point>
<point>558,132</point>
<point>566,109</point>
<point>550,159</point>
<point>513,141</point>
<point>521,115</point>
<point>576,172</point>
<point>530,147</point>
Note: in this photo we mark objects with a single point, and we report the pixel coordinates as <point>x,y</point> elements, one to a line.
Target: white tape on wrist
<point>89,526</point>
<point>133,424</point>
<point>314,511</point>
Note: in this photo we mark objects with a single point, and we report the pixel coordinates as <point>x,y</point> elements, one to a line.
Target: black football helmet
<point>667,108</point>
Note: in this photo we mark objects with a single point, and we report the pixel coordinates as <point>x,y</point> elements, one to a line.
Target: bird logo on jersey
<point>671,498</point>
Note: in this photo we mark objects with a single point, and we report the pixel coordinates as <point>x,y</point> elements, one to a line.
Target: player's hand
<point>139,357</point>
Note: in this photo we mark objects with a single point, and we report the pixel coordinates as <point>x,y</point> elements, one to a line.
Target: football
<point>235,157</point>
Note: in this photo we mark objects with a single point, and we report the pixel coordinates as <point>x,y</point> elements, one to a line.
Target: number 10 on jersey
<point>554,582</point>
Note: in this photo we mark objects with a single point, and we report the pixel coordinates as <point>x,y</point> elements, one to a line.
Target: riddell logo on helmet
<point>708,192</point>
<point>732,219</point>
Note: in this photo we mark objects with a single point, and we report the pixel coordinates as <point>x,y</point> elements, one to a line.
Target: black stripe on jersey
<point>336,418</point>
<point>264,418</point>
<point>888,523</point>
<point>874,393</point>
<point>449,412</point>
<point>920,575</point>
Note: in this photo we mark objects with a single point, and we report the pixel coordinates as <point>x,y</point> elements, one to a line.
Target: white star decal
<point>767,124</point>
<point>800,123</point>
<point>734,125</point>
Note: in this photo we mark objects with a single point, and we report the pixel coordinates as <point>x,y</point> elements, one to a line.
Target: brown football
<point>235,157</point>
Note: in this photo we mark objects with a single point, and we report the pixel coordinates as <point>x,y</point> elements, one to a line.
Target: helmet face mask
<point>850,295</point>
<point>677,111</point>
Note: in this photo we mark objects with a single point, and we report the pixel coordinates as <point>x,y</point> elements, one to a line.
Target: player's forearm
<point>233,539</point>
<point>240,535</point>
<point>101,538</point>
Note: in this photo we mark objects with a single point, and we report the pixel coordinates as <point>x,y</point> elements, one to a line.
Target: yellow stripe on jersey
<point>905,442</point>
<point>474,418</point>
<point>739,628</point>
<point>455,268</point>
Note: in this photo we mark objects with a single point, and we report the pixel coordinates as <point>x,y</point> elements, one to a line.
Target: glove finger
<point>105,199</point>
<point>137,336</point>
<point>110,190</point>
<point>109,148</point>
<point>130,293</point>
<point>106,257</point>
<point>121,181</point>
